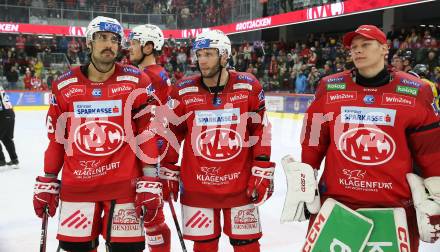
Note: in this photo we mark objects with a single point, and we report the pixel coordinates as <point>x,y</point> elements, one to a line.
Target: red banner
<point>294,17</point>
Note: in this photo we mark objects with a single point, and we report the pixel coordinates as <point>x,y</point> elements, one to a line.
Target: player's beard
<point>102,62</point>
<point>211,73</point>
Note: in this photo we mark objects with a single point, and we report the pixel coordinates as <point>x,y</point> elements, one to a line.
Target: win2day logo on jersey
<point>94,109</point>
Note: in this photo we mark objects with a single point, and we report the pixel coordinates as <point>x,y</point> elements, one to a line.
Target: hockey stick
<point>176,223</point>
<point>43,234</point>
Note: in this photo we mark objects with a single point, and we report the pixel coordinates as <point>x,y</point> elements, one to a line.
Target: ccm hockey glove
<point>302,196</point>
<point>169,176</point>
<point>46,195</point>
<point>260,185</point>
<point>148,197</point>
<point>426,197</point>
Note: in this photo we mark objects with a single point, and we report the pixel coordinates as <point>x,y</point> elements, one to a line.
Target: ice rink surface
<point>20,228</point>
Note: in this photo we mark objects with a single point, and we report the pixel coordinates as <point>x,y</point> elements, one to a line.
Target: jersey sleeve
<point>315,135</point>
<point>144,105</point>
<point>424,134</point>
<point>260,128</point>
<point>54,154</point>
<point>174,116</point>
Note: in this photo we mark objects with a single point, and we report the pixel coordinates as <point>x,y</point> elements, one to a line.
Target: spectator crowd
<point>280,66</point>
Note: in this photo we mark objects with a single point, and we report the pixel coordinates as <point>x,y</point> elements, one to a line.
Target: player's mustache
<point>107,50</point>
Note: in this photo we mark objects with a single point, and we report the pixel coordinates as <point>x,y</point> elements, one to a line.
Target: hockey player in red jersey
<point>225,166</point>
<point>370,123</point>
<point>95,137</point>
<point>146,42</point>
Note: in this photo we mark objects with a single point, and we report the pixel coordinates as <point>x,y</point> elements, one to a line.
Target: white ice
<point>20,228</point>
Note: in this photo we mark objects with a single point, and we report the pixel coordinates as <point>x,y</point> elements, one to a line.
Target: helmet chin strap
<point>143,55</point>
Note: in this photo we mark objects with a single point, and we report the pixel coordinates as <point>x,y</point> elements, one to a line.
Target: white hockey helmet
<point>104,24</point>
<point>213,39</point>
<point>148,33</point>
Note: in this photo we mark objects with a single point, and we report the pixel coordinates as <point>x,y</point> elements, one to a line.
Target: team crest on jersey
<point>368,116</point>
<point>127,78</point>
<point>366,146</point>
<point>120,89</point>
<point>99,138</point>
<point>131,70</point>
<point>243,77</point>
<point>87,109</point>
<point>217,117</point>
<point>219,144</point>
<point>66,82</point>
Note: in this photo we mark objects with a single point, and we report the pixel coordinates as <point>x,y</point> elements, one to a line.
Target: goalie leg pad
<point>326,233</point>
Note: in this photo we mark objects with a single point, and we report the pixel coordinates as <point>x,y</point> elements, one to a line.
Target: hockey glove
<point>260,185</point>
<point>426,197</point>
<point>159,238</point>
<point>169,176</point>
<point>46,195</point>
<point>148,197</point>
<point>302,196</point>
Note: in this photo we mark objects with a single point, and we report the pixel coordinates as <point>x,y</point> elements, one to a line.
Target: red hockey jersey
<point>92,133</point>
<point>161,81</point>
<point>369,136</point>
<point>221,138</point>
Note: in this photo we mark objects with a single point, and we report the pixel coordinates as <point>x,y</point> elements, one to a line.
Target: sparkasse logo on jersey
<point>367,115</point>
<point>109,108</point>
<point>366,146</point>
<point>217,117</point>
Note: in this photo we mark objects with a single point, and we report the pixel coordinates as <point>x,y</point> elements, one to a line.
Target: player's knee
<point>79,246</point>
<point>206,245</point>
<point>245,245</point>
<point>127,246</point>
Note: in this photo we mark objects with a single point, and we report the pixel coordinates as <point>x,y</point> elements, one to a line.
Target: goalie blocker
<point>339,228</point>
